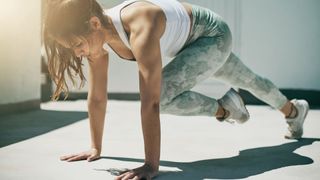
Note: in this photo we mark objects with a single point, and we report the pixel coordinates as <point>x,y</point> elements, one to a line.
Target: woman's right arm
<point>97,102</point>
<point>97,99</point>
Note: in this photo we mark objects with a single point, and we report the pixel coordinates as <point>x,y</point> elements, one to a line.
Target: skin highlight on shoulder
<point>147,17</point>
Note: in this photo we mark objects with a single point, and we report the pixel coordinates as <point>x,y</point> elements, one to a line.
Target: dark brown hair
<point>66,19</point>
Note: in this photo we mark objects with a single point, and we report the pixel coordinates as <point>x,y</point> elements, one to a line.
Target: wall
<point>19,51</point>
<point>280,39</point>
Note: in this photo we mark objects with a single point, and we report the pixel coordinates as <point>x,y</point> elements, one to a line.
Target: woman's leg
<point>198,61</point>
<point>195,63</point>
<point>206,50</point>
<point>239,75</point>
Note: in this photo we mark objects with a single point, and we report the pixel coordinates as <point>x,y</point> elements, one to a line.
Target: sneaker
<point>296,124</point>
<point>233,103</point>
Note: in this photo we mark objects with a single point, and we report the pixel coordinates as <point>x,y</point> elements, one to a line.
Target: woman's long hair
<point>66,19</point>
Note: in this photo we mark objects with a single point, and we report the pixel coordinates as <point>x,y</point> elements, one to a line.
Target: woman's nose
<point>79,52</point>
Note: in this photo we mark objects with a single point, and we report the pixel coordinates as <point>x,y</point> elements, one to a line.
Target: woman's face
<point>80,47</point>
<point>88,46</point>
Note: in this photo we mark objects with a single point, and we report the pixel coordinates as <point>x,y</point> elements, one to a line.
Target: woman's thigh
<point>205,23</point>
<point>200,60</point>
<point>205,51</point>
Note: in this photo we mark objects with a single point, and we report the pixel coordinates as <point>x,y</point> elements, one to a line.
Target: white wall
<point>277,39</point>
<point>19,51</point>
<point>280,39</point>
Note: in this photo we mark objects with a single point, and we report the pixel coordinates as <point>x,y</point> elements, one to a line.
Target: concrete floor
<point>192,147</point>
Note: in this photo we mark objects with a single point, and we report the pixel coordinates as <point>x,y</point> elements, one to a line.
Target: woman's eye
<point>79,44</point>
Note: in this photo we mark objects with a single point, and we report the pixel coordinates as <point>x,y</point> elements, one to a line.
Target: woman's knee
<point>166,99</point>
<point>223,35</point>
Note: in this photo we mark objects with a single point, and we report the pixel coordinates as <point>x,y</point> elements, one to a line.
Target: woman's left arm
<point>145,43</point>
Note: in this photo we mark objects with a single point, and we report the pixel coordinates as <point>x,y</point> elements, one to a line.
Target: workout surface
<point>192,148</point>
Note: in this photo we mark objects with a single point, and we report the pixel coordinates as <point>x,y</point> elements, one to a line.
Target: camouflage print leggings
<point>207,53</point>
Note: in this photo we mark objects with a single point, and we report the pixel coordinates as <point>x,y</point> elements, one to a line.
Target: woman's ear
<point>95,23</point>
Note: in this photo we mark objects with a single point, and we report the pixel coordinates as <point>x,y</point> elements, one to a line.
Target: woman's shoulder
<point>142,14</point>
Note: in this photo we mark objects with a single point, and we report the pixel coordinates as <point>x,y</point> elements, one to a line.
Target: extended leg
<point>239,75</point>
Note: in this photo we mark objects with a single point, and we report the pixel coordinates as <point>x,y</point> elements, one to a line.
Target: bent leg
<point>237,74</point>
<point>207,49</point>
<point>194,64</point>
<point>190,103</point>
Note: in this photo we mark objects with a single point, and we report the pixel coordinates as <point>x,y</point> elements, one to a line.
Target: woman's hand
<point>145,172</point>
<point>90,155</point>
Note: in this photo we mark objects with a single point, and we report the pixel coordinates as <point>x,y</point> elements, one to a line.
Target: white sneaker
<point>296,124</point>
<point>233,103</point>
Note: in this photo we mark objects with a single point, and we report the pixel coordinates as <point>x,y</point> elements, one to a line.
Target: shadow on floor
<point>19,127</point>
<point>248,163</point>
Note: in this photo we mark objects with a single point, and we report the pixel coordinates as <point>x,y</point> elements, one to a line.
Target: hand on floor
<point>145,172</point>
<point>90,155</point>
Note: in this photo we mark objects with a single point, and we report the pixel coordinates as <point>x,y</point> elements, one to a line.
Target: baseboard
<point>312,96</point>
<point>19,107</point>
<point>124,96</point>
<point>112,96</point>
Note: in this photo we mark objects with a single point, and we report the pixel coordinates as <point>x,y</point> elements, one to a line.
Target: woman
<point>197,39</point>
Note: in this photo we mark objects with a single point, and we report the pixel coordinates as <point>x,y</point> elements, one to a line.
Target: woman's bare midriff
<point>121,49</point>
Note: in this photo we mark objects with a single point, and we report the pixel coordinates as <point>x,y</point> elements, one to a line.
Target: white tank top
<point>177,25</point>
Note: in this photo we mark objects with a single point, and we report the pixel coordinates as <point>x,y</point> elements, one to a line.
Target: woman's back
<point>177,25</point>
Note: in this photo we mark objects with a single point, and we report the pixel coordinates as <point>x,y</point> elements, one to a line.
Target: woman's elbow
<point>97,100</point>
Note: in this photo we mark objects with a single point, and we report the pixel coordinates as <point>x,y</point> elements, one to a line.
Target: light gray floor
<point>192,147</point>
